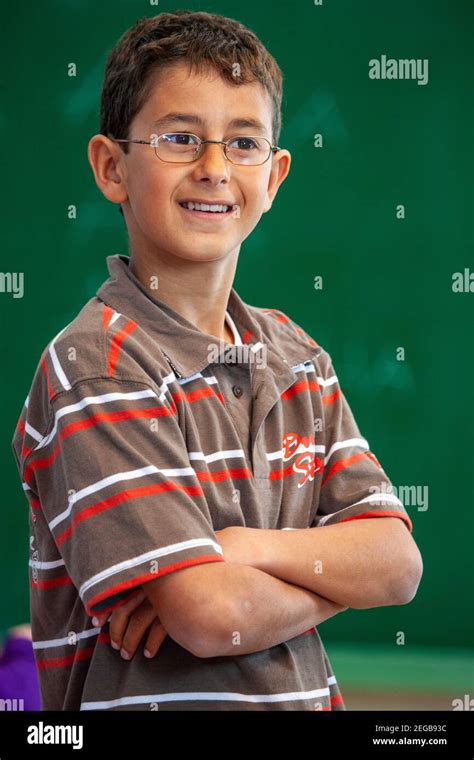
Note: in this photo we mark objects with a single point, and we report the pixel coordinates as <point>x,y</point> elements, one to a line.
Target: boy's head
<point>215,71</point>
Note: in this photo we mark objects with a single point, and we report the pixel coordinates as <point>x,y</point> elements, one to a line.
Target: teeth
<point>204,207</point>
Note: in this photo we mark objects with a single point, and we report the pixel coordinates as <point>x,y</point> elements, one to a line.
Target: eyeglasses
<point>182,147</point>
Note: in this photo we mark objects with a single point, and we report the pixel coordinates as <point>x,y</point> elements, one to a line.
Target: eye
<point>181,138</point>
<point>244,143</point>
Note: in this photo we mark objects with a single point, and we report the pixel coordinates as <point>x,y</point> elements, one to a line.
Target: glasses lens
<point>177,147</point>
<point>248,150</point>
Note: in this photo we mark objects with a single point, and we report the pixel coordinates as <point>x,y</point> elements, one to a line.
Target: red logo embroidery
<point>305,462</point>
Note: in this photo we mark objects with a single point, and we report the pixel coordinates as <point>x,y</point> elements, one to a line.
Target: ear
<point>281,162</point>
<point>108,165</point>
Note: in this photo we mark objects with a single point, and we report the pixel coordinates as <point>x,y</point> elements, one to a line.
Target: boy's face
<point>150,189</point>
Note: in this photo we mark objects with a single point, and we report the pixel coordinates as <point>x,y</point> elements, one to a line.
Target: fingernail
<point>114,644</point>
<point>146,653</point>
<point>124,654</point>
<point>95,621</point>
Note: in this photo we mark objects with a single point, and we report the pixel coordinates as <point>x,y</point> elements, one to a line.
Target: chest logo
<point>302,447</point>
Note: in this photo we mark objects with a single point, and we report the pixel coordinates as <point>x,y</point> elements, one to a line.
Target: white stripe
<point>360,443</point>
<point>328,381</point>
<point>226,454</point>
<point>309,367</point>
<point>387,497</point>
<point>46,565</point>
<point>102,399</point>
<point>49,643</point>
<point>210,379</point>
<point>315,448</point>
<point>56,364</point>
<point>171,378</point>
<point>114,317</point>
<point>142,558</point>
<point>213,696</point>
<point>27,401</point>
<point>32,432</point>
<point>26,487</point>
<point>235,332</point>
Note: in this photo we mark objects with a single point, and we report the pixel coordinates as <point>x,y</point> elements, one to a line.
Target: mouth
<point>210,211</point>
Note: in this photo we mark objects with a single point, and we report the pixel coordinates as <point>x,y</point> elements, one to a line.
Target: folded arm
<point>360,564</point>
<point>224,609</point>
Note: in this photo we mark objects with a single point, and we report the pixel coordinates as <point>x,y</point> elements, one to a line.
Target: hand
<point>240,544</point>
<point>129,623</point>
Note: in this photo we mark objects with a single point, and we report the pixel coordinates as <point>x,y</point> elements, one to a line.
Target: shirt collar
<point>182,342</point>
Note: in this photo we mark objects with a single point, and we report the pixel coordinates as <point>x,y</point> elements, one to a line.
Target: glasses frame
<point>273,148</point>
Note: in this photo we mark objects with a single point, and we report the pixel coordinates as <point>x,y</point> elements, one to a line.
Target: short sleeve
<point>354,484</point>
<point>117,489</point>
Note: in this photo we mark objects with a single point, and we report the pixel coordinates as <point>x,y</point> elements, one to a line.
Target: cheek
<point>254,206</point>
<point>150,197</point>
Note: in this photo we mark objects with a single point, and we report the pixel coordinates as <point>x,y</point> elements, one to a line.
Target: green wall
<point>387,281</point>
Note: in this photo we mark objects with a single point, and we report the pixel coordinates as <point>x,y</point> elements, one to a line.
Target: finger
<point>155,638</point>
<point>138,624</point>
<point>100,618</point>
<point>120,617</point>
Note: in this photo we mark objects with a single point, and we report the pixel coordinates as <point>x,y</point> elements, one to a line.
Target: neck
<point>198,291</point>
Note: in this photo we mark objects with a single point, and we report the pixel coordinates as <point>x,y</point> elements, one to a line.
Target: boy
<point>191,460</point>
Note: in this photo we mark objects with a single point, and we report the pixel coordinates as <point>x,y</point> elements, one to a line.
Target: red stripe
<point>44,367</point>
<point>195,395</point>
<point>220,475</point>
<point>144,579</point>
<point>380,513</point>
<point>331,397</point>
<point>299,387</point>
<point>33,501</point>
<point>25,451</point>
<point>278,315</point>
<point>120,498</point>
<point>337,700</point>
<point>106,316</point>
<point>116,343</point>
<point>88,422</point>
<point>61,580</point>
<point>341,465</point>
<point>43,663</point>
<point>281,473</point>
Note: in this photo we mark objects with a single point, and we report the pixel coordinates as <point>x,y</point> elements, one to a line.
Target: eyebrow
<point>194,120</point>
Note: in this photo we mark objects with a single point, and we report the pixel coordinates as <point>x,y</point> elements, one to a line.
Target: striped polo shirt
<point>139,438</point>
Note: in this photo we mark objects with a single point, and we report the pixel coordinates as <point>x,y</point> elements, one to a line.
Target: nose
<point>212,163</point>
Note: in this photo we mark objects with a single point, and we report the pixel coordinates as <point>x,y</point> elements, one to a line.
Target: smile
<point>214,215</point>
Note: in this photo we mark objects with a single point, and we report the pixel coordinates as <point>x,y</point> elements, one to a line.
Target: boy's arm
<point>225,609</point>
<point>359,564</point>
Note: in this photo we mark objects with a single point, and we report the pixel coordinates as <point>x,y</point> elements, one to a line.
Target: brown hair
<point>204,40</point>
